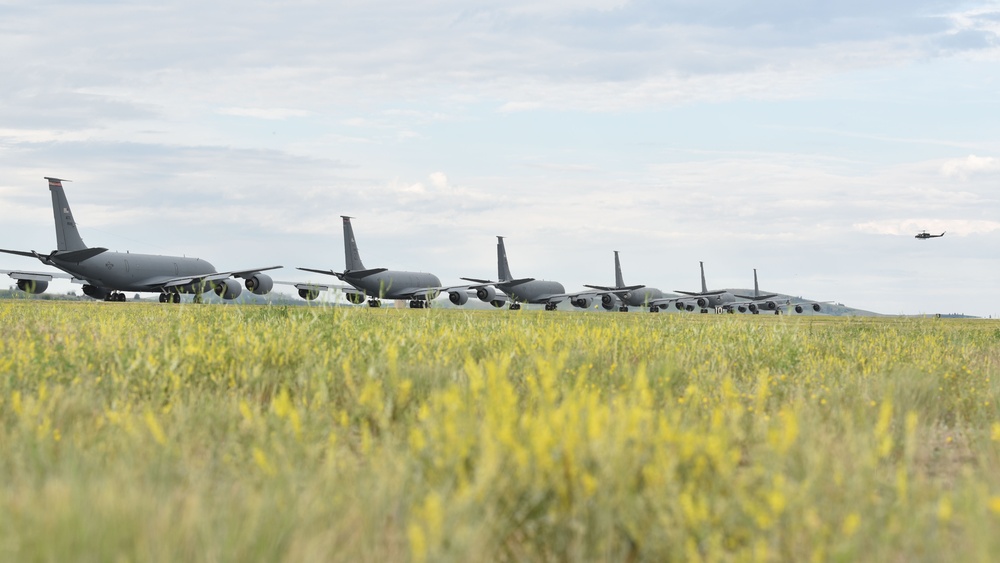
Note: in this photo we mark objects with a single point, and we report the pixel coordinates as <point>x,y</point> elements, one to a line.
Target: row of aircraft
<point>108,275</point>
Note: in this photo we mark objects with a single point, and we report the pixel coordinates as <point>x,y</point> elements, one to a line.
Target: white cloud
<point>963,168</point>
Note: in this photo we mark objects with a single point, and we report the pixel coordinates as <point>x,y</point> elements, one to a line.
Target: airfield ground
<point>202,433</point>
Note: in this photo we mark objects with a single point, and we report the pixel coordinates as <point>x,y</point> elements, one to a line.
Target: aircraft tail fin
<point>704,286</point>
<point>352,258</point>
<point>756,288</point>
<point>503,269</point>
<point>67,235</point>
<point>619,281</point>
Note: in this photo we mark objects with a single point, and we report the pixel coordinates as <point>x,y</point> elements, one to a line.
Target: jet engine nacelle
<point>813,306</point>
<point>33,287</point>
<point>356,298</point>
<point>608,302</point>
<point>753,308</point>
<point>742,308</point>
<point>95,292</point>
<point>458,297</point>
<point>487,294</point>
<point>703,302</point>
<point>679,305</point>
<point>259,284</point>
<point>309,294</point>
<point>228,289</point>
<point>769,306</point>
<point>582,302</point>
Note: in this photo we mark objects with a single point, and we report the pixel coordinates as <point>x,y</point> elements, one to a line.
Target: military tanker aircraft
<point>523,290</point>
<point>375,284</point>
<point>721,300</point>
<point>766,302</point>
<point>106,274</point>
<point>621,295</point>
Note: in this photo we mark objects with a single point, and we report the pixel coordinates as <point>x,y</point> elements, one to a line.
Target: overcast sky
<point>810,140</point>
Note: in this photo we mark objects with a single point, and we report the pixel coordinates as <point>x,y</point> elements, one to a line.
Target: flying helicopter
<point>926,235</point>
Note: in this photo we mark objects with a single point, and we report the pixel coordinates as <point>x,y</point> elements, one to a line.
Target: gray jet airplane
<point>106,275</point>
<point>766,302</point>
<point>720,300</point>
<point>523,290</point>
<point>635,295</point>
<point>380,283</point>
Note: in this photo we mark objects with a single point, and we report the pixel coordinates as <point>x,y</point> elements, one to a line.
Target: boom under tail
<point>67,235</point>
<point>503,269</point>
<point>352,258</point>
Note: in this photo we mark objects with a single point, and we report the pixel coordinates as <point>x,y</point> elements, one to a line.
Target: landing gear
<point>516,306</point>
<point>170,298</point>
<point>374,303</point>
<point>164,297</point>
<point>115,297</point>
<point>419,304</point>
<point>623,309</point>
<point>704,311</point>
<point>550,306</point>
<point>654,308</point>
<point>777,311</point>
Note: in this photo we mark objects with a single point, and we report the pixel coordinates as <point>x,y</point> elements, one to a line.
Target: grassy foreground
<point>144,432</point>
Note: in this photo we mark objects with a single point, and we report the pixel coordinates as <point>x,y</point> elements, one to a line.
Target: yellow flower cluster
<point>133,431</point>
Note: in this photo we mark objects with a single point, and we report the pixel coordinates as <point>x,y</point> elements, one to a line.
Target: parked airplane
<point>925,235</point>
<point>106,275</point>
<point>523,290</point>
<point>374,284</point>
<point>766,302</point>
<point>635,295</point>
<point>720,300</point>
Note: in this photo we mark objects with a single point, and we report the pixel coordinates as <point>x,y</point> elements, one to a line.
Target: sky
<point>810,140</point>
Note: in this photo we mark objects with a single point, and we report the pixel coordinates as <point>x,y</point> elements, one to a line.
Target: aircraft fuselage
<point>124,271</point>
<point>642,296</point>
<point>391,284</point>
<point>534,291</point>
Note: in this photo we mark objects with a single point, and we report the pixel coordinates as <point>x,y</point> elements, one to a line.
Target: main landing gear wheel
<point>374,303</point>
<point>115,297</point>
<point>654,309</point>
<point>550,306</point>
<point>623,309</point>
<point>418,304</point>
<point>516,306</point>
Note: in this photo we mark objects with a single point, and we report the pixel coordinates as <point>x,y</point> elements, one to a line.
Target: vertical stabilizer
<point>67,236</point>
<point>352,259</point>
<point>756,288</point>
<point>503,269</point>
<point>704,286</point>
<point>619,281</point>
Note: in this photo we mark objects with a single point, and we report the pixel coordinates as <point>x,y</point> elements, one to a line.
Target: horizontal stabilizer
<point>701,293</point>
<point>358,274</point>
<point>19,252</point>
<point>512,283</point>
<point>758,297</point>
<point>623,288</point>
<point>77,256</point>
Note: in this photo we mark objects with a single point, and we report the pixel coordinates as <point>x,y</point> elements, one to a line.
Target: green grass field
<point>144,432</point>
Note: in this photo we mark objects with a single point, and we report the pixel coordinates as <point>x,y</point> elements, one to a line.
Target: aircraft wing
<point>39,276</point>
<point>700,293</point>
<point>168,282</point>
